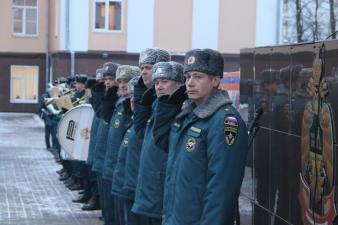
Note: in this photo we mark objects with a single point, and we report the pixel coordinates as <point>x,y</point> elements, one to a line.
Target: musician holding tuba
<point>79,87</point>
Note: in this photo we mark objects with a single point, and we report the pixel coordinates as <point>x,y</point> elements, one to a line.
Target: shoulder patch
<point>230,129</point>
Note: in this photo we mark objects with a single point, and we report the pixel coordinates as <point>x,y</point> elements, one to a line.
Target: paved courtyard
<point>30,192</point>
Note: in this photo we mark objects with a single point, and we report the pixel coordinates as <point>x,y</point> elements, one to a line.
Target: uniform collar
<point>216,100</point>
<point>120,100</point>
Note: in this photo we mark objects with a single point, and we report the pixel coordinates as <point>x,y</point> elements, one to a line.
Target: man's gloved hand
<point>112,93</point>
<point>127,107</point>
<point>108,103</point>
<point>139,90</point>
<point>148,97</point>
<point>176,98</point>
<point>140,83</point>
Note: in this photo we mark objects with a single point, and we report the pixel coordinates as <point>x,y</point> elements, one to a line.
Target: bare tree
<point>309,20</point>
<point>332,20</point>
<point>315,27</point>
<point>299,21</point>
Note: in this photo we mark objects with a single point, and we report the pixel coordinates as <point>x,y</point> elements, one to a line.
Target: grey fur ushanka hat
<point>109,69</point>
<point>153,55</point>
<point>127,72</point>
<point>206,61</point>
<point>168,70</point>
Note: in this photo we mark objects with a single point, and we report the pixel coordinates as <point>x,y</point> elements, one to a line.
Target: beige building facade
<point>41,40</point>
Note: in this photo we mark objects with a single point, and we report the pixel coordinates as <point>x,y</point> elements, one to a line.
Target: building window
<point>25,17</point>
<point>108,15</point>
<point>24,84</point>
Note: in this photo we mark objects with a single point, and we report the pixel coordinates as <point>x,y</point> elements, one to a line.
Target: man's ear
<point>216,80</point>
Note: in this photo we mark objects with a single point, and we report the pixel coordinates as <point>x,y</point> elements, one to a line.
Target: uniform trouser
<point>55,142</point>
<point>108,203</point>
<point>119,210</point>
<point>67,165</point>
<point>100,192</point>
<point>154,221</point>
<point>90,184</point>
<point>92,181</point>
<point>48,134</point>
<point>79,169</point>
<point>131,218</point>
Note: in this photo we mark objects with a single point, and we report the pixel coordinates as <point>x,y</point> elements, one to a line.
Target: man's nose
<point>189,82</point>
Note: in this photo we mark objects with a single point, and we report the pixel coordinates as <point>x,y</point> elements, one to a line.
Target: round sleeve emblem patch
<point>230,129</point>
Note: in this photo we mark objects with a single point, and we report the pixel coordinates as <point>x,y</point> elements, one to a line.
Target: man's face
<point>123,87</point>
<point>109,81</point>
<point>88,92</point>
<point>165,86</point>
<point>200,85</point>
<point>146,72</point>
<point>79,86</point>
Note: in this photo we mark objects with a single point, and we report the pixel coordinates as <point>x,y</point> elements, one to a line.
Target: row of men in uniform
<point>166,145</point>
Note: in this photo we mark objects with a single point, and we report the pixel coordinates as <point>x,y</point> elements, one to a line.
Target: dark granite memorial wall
<point>291,171</point>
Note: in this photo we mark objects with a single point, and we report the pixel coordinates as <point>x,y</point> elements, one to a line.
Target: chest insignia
<point>191,144</point>
<point>117,123</point>
<point>125,142</point>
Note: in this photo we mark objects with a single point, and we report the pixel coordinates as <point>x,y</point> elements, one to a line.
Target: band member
<point>108,106</point>
<point>76,181</point>
<point>46,117</point>
<point>207,148</point>
<point>89,195</point>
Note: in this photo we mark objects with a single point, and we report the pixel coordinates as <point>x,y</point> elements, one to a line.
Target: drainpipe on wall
<point>47,44</point>
<point>72,62</point>
<point>279,22</point>
<point>72,53</point>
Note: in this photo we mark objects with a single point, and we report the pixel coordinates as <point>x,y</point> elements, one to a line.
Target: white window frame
<point>106,29</point>
<point>25,101</point>
<point>24,34</point>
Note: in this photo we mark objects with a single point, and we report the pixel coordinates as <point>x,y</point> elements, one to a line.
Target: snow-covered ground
<point>30,191</point>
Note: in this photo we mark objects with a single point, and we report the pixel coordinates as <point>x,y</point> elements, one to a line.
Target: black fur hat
<point>206,61</point>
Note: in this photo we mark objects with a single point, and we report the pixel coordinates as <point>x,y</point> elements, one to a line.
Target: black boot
<point>75,187</point>
<point>57,159</point>
<point>61,171</point>
<point>69,181</point>
<point>64,176</point>
<point>93,204</point>
<point>82,198</point>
